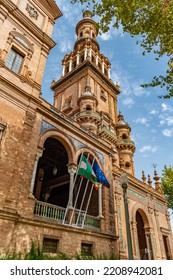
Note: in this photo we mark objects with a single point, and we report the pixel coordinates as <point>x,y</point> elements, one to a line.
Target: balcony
<point>56,213</point>
<point>108,135</point>
<point>88,116</point>
<point>126,143</point>
<point>67,108</point>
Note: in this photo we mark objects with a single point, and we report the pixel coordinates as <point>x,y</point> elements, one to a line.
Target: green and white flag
<point>86,170</point>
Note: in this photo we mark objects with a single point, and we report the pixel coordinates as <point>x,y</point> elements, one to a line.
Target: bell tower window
<point>88,108</point>
<point>14,61</point>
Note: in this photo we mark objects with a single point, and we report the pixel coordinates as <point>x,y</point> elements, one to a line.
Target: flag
<point>101,178</point>
<point>86,170</point>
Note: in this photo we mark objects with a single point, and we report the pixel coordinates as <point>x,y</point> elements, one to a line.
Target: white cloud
<point>168,132</point>
<point>166,120</point>
<point>129,86</point>
<point>141,121</point>
<point>128,102</point>
<point>65,45</point>
<point>72,13</point>
<point>148,149</point>
<point>166,108</point>
<point>153,112</point>
<point>113,32</point>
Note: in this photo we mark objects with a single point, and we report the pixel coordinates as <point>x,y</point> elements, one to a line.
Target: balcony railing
<point>126,141</point>
<point>50,211</point>
<point>90,221</point>
<point>53,212</point>
<point>107,134</point>
<point>88,113</point>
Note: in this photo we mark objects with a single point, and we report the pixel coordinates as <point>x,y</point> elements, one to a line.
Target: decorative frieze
<point>45,126</point>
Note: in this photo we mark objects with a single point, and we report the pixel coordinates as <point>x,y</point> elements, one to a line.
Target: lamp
<point>124,185</point>
<point>55,170</point>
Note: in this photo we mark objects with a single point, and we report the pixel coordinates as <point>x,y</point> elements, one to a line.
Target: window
<point>127,164</point>
<point>14,61</point>
<point>88,108</point>
<point>124,136</point>
<point>103,96</point>
<point>87,249</point>
<point>50,245</point>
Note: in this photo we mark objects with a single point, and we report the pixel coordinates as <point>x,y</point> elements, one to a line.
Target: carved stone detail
<point>32,11</point>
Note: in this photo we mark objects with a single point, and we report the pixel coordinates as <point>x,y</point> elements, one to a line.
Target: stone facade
<point>41,144</point>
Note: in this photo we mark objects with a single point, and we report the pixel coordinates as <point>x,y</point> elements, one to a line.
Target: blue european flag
<point>101,178</point>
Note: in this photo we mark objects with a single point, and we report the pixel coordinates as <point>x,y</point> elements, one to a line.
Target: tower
<point>125,145</point>
<point>86,93</point>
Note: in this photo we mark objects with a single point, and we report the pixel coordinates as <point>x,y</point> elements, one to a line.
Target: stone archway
<point>54,169</point>
<point>142,242</point>
<point>141,232</point>
<point>52,177</point>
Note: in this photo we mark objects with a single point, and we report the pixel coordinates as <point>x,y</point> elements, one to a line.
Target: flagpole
<point>86,187</point>
<point>92,187</point>
<point>71,193</point>
<point>79,188</point>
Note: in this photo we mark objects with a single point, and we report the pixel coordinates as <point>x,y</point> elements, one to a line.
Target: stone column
<point>63,69</point>
<point>77,58</point>
<point>72,172</point>
<point>90,52</point>
<point>85,53</point>
<point>100,201</point>
<point>109,73</point>
<point>103,67</point>
<point>97,60</point>
<point>70,65</point>
<point>135,241</point>
<point>38,155</point>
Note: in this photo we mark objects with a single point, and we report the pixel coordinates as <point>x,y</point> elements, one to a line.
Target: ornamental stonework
<point>32,11</point>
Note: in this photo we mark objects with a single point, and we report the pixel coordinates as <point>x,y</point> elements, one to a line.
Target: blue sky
<point>150,118</point>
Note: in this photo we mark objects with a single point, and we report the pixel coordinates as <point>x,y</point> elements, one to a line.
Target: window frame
<point>17,53</point>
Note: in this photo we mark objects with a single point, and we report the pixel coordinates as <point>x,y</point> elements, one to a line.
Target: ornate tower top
<point>86,29</point>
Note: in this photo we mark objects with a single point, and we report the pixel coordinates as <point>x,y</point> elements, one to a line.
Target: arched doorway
<point>141,237</point>
<point>52,178</point>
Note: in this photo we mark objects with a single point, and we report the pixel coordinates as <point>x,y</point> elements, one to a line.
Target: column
<point>85,53</point>
<point>72,172</point>
<point>63,70</point>
<point>70,65</point>
<point>135,241</point>
<point>34,172</point>
<point>77,58</point>
<point>109,73</point>
<point>100,201</point>
<point>103,67</point>
<point>90,52</point>
<point>97,60</point>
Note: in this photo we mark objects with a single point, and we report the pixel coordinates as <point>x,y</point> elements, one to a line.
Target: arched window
<point>88,108</point>
<point>124,136</point>
<point>127,164</point>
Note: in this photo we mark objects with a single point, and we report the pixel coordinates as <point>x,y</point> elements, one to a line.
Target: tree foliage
<point>167,184</point>
<point>151,19</point>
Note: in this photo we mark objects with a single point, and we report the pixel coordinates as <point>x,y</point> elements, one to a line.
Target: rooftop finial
<point>87,13</point>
